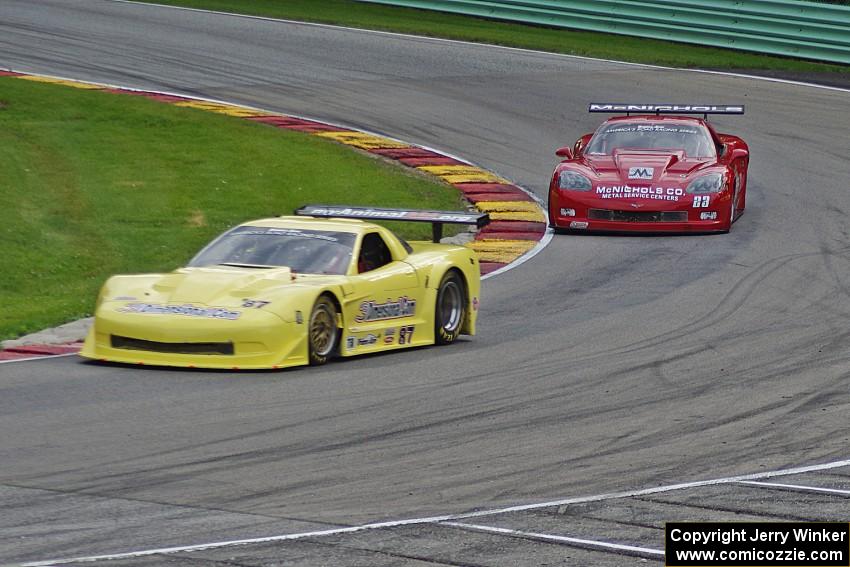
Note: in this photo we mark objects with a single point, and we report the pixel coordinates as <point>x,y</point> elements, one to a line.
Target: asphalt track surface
<point>604,364</point>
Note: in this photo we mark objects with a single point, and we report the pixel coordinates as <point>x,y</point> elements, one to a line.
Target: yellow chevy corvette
<point>294,290</point>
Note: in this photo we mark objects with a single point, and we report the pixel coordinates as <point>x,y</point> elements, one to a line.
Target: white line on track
<point>233,543</point>
<point>37,357</point>
<point>797,487</point>
<point>557,538</point>
<point>444,519</point>
<point>658,489</point>
<point>493,46</point>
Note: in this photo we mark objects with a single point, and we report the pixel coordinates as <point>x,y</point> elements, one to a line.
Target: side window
<point>374,253</point>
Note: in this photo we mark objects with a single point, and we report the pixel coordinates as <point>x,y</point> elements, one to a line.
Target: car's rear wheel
<point>323,334</point>
<point>451,308</point>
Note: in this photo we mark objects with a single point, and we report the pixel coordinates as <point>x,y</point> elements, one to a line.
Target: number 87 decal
<point>405,335</point>
<point>701,201</point>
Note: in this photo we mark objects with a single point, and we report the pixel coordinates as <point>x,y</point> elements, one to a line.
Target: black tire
<point>732,217</point>
<point>322,331</point>
<point>450,311</point>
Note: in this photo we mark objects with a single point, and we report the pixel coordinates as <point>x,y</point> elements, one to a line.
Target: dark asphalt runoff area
<point>604,364</point>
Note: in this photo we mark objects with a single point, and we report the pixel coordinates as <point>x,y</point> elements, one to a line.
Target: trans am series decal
<point>653,128</point>
<point>371,311</point>
<point>188,310</point>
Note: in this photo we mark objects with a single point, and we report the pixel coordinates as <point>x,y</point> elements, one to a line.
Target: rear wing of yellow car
<point>436,218</point>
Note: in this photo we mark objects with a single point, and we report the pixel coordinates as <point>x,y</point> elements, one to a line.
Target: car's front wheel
<point>323,334</point>
<point>732,210</point>
<point>450,312</point>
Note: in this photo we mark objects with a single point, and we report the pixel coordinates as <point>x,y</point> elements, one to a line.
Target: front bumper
<point>598,215</point>
<point>259,340</point>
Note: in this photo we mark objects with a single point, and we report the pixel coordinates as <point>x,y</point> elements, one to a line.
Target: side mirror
<point>565,153</point>
<point>738,153</point>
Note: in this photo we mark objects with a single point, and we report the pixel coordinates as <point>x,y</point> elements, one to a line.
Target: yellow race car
<point>294,290</point>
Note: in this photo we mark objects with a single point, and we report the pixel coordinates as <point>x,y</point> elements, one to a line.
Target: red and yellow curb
<point>518,220</point>
<point>34,351</point>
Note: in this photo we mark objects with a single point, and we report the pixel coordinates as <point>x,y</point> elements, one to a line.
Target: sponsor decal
<point>685,108</point>
<point>124,298</point>
<point>351,212</point>
<point>187,310</point>
<point>631,192</point>
<point>290,232</point>
<point>254,303</point>
<point>368,340</point>
<point>641,172</point>
<point>475,303</point>
<point>710,215</point>
<point>372,311</point>
<point>352,342</point>
<point>389,336</point>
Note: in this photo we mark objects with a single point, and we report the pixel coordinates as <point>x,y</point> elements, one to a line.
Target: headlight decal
<point>572,181</point>
<point>709,183</point>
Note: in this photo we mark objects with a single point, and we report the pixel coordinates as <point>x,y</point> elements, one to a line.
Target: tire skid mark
<point>733,300</point>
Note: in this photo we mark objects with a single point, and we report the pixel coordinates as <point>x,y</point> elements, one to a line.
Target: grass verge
<point>96,184</point>
<point>436,24</point>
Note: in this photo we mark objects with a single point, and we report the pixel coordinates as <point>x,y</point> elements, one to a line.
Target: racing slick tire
<point>322,331</point>
<point>450,311</point>
<point>732,217</point>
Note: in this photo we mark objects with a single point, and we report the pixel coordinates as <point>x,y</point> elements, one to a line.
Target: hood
<point>215,286</point>
<point>636,167</point>
<point>211,286</point>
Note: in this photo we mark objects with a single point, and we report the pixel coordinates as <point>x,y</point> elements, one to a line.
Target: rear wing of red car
<point>704,109</point>
<point>436,218</point>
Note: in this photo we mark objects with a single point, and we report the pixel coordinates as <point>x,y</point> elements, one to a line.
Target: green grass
<point>436,24</point>
<point>95,184</point>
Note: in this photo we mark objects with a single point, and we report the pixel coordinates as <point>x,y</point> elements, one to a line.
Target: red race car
<point>653,170</point>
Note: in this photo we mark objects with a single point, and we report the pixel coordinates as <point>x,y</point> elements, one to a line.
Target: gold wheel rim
<point>322,330</point>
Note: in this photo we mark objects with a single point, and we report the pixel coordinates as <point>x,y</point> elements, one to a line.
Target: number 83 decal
<point>701,201</point>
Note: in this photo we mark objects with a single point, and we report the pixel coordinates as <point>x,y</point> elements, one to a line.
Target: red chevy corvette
<point>653,170</point>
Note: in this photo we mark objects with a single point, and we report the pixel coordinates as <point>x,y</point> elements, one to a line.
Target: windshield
<point>694,140</point>
<point>303,251</point>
